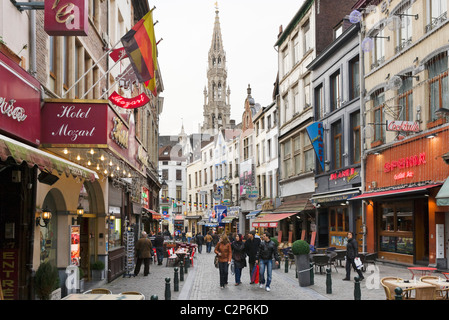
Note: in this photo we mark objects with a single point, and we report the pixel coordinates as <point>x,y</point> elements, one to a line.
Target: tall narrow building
<point>217,108</point>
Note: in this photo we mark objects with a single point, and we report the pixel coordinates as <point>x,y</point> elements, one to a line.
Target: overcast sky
<point>249,29</point>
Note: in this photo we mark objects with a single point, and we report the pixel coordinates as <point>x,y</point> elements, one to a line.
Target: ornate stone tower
<point>217,109</point>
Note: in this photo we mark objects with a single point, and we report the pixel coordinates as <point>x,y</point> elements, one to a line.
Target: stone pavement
<point>202,283</point>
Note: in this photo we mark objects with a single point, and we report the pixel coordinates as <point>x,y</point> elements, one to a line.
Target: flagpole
<point>93,66</point>
<point>112,86</point>
<point>105,74</point>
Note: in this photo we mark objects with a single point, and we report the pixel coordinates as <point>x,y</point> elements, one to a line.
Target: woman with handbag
<point>224,252</point>
<point>239,256</point>
<point>351,253</point>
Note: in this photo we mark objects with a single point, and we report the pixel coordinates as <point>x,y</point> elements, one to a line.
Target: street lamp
<point>79,214</point>
<point>44,216</point>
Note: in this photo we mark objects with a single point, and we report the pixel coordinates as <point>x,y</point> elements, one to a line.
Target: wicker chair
<point>440,294</point>
<point>98,291</point>
<point>136,293</point>
<point>389,289</point>
<point>428,293</point>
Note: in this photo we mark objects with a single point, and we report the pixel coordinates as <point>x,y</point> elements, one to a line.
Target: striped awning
<point>45,161</point>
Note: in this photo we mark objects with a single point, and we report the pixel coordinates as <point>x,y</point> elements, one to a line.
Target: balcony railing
<point>436,21</point>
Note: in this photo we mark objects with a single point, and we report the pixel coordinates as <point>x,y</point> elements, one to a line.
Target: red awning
<point>154,214</point>
<point>271,220</point>
<point>396,192</point>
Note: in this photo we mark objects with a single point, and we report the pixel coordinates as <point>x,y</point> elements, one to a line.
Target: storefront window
<point>396,227</point>
<point>115,234</point>
<point>339,219</point>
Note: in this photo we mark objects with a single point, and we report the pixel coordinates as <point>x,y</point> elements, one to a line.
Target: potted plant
<point>46,280</point>
<point>301,250</point>
<point>97,270</point>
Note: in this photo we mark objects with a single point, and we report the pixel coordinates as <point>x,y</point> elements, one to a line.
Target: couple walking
<point>259,252</point>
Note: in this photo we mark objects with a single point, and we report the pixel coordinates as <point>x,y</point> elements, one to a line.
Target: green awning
<point>227,219</point>
<point>443,195</point>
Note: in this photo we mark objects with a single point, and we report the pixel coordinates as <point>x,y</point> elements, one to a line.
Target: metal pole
<point>95,64</point>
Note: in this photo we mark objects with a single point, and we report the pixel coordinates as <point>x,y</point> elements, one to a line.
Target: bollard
<point>181,271</point>
<point>154,297</point>
<point>398,292</point>
<point>357,292</point>
<point>176,281</point>
<point>286,263</point>
<point>312,275</point>
<point>328,281</point>
<point>167,289</point>
<point>186,266</point>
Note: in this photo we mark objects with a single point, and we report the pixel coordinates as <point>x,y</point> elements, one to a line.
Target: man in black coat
<point>351,253</point>
<point>199,239</point>
<point>251,248</point>
<point>159,244</point>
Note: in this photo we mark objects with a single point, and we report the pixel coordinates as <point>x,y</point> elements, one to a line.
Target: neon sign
<point>407,162</point>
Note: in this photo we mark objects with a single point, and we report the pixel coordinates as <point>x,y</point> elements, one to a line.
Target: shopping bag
<point>216,261</point>
<point>358,263</point>
<point>255,274</point>
<point>232,267</point>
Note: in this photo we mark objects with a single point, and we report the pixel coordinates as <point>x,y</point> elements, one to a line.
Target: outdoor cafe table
<point>416,285</point>
<point>181,253</point>
<point>93,296</point>
<point>424,270</point>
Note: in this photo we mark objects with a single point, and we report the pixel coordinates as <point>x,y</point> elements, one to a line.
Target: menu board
<point>129,261</point>
<point>75,232</point>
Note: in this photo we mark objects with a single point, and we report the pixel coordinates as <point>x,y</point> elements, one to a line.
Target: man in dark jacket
<point>199,239</point>
<point>251,248</point>
<point>159,244</point>
<point>351,253</point>
<point>267,251</point>
<point>144,252</point>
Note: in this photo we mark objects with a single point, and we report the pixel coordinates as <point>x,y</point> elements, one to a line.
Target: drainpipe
<point>32,51</point>
<point>363,125</point>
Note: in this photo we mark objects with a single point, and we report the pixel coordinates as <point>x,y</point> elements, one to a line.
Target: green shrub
<point>46,280</point>
<point>275,240</point>
<point>300,247</point>
<point>97,265</point>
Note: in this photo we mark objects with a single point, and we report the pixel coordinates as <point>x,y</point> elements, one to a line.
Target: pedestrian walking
<point>351,253</point>
<point>199,239</point>
<point>239,257</point>
<point>215,238</point>
<point>159,244</point>
<point>144,252</point>
<point>224,252</point>
<point>251,248</point>
<point>208,240</point>
<point>267,251</point>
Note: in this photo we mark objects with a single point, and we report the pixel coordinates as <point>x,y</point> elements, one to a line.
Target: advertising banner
<point>75,246</point>
<point>315,132</point>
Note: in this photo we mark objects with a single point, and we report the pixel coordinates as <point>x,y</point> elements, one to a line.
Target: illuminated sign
<point>403,126</point>
<point>66,17</point>
<point>129,103</point>
<point>407,162</point>
<point>348,173</point>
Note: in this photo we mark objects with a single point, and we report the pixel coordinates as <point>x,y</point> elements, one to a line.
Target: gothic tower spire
<point>217,109</point>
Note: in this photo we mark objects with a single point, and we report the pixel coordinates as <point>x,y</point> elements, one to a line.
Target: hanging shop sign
<point>129,103</point>
<point>68,122</point>
<point>66,17</point>
<point>402,126</point>
<point>19,102</point>
<point>145,198</point>
<point>315,132</point>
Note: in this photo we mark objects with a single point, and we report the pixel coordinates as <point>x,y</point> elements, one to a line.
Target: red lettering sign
<point>66,17</point>
<point>408,162</point>
<point>403,126</point>
<point>129,103</point>
<point>19,102</point>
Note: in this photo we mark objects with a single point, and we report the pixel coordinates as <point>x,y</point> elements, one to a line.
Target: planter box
<point>97,275</point>
<point>303,268</point>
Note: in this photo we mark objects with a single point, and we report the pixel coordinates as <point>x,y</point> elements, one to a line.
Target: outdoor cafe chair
<point>98,291</point>
<point>136,293</point>
<point>388,288</point>
<point>440,294</point>
<point>172,257</point>
<point>320,260</point>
